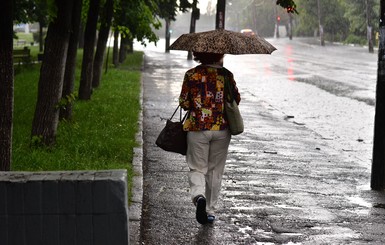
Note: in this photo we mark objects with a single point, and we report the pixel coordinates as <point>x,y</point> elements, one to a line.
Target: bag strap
<point>180,114</point>
<point>228,88</point>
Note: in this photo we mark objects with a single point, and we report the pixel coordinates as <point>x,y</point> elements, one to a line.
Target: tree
<point>135,19</point>
<point>105,24</point>
<point>378,162</point>
<point>6,85</point>
<point>46,117</point>
<point>332,20</point>
<point>85,87</point>
<point>361,16</point>
<point>69,76</point>
<point>168,10</point>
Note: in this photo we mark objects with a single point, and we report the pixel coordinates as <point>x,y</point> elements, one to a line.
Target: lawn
<point>102,132</point>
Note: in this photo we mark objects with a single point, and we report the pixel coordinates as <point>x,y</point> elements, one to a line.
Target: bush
<point>353,39</point>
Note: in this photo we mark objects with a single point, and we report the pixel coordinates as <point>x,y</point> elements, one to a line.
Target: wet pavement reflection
<point>300,172</point>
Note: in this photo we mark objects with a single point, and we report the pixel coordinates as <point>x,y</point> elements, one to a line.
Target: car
<point>247,32</point>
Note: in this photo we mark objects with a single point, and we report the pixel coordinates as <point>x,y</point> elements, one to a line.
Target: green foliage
<point>337,18</point>
<point>168,9</point>
<point>36,140</point>
<point>355,13</point>
<point>67,100</point>
<point>137,20</point>
<point>101,134</point>
<point>355,40</point>
<point>289,5</point>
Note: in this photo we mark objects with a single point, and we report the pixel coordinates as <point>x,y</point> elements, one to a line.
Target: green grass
<point>101,134</point>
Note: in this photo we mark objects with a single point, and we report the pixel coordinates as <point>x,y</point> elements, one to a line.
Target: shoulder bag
<point>233,115</point>
<point>173,138</point>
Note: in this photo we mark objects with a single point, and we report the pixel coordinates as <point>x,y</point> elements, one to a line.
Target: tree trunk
<point>369,28</point>
<point>46,118</point>
<point>167,34</point>
<point>81,35</point>
<point>321,28</point>
<point>290,26</point>
<point>69,75</point>
<point>85,88</point>
<point>115,52</point>
<point>102,42</point>
<point>41,37</point>
<point>123,48</point>
<point>378,162</point>
<point>6,85</point>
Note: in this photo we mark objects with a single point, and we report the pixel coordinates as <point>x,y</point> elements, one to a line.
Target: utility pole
<point>369,27</point>
<point>194,16</point>
<point>378,161</point>
<point>321,28</point>
<point>220,19</point>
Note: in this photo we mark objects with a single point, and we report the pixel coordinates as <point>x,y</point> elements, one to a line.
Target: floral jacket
<point>203,95</point>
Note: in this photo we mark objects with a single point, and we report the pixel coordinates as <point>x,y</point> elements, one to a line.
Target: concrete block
<point>34,229</point>
<point>50,197</point>
<point>83,194</point>
<point>16,229</point>
<point>76,207</point>
<point>51,228</point>
<point>118,196</point>
<point>67,197</point>
<point>67,232</point>
<point>100,196</point>
<point>84,229</point>
<point>33,197</point>
<point>102,229</point>
<point>119,229</point>
<point>4,229</point>
<point>3,197</point>
<point>15,198</point>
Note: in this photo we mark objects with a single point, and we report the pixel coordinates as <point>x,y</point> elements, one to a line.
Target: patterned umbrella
<point>222,42</point>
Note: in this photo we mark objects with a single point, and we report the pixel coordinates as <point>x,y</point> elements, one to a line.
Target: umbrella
<point>222,41</point>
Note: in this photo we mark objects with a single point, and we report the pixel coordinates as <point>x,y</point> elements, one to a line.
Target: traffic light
<point>278,18</point>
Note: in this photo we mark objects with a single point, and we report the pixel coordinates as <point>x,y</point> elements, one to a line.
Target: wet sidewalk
<point>283,183</point>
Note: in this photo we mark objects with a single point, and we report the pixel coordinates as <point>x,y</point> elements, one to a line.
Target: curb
<point>135,208</point>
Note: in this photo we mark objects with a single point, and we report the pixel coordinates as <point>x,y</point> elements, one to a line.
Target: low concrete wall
<point>75,207</point>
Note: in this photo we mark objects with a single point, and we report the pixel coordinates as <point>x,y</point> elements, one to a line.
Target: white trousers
<point>206,158</point>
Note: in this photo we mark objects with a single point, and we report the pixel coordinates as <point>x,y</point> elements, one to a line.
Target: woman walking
<point>208,137</point>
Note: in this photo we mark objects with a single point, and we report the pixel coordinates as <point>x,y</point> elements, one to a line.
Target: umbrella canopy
<point>222,42</point>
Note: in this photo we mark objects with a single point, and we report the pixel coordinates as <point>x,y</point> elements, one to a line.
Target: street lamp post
<point>378,161</point>
<point>194,17</point>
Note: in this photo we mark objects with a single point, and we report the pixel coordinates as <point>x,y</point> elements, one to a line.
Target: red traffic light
<point>278,18</point>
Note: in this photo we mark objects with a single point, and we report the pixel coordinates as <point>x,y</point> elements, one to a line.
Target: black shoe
<point>201,214</point>
<point>210,219</point>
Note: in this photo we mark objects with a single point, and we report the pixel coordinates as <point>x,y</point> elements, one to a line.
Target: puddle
<point>360,201</point>
<point>288,207</point>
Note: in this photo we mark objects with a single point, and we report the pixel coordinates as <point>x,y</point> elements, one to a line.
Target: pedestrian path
<point>284,184</point>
